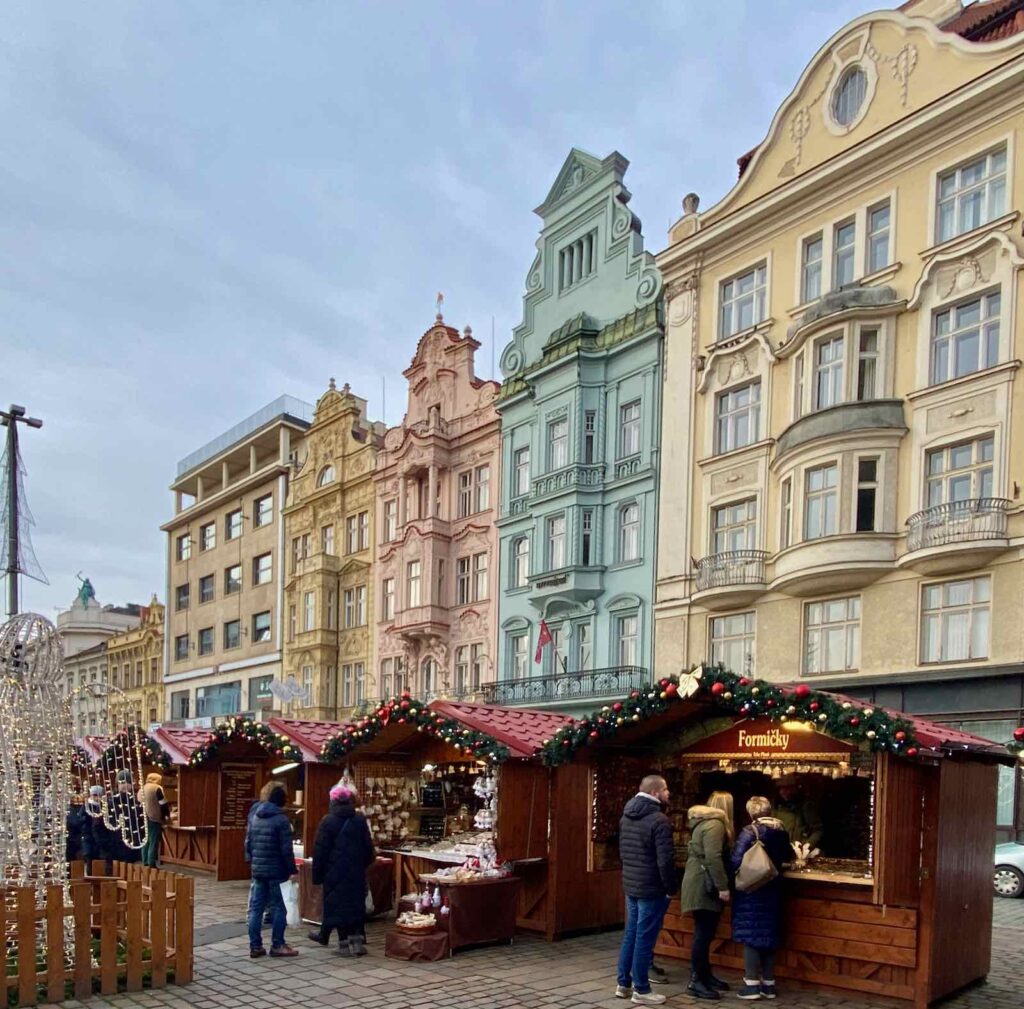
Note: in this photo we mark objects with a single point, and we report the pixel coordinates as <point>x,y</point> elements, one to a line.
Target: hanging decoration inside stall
<point>274,743</point>
<point>407,711</point>
<point>863,725</point>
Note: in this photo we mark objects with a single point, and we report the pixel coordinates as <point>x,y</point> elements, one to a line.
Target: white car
<point>1008,874</point>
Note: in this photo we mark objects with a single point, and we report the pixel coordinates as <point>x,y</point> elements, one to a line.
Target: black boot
<point>356,946</point>
<point>318,937</point>
<point>701,989</point>
<point>717,983</point>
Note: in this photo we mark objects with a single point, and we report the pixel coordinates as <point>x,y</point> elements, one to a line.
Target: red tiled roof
<point>522,730</point>
<point>95,745</point>
<point>988,20</point>
<point>307,735</point>
<point>180,744</point>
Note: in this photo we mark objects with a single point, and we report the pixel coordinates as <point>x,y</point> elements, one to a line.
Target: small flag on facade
<point>543,639</point>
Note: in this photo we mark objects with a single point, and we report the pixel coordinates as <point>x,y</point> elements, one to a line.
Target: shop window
<point>965,338</point>
<point>221,699</point>
<point>179,705</point>
<point>737,417</point>
<point>260,697</point>
<point>742,301</point>
<point>832,635</point>
<point>971,195</point>
<point>960,473</point>
<point>733,642</point>
<point>955,620</point>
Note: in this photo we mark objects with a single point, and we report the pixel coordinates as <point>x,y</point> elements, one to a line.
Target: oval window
<point>849,95</point>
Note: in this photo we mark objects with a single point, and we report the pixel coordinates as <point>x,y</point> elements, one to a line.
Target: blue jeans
<point>643,923</point>
<point>264,893</point>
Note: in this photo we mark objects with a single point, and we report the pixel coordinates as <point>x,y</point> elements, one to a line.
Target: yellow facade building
<point>329,521</point>
<point>135,664</point>
<point>843,411</point>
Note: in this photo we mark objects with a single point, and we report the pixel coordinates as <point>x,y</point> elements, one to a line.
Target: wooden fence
<point>129,930</point>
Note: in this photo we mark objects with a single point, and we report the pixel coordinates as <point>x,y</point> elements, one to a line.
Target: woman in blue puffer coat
<point>757,915</point>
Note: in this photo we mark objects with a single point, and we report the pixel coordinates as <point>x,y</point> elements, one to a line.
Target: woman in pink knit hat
<point>342,852</point>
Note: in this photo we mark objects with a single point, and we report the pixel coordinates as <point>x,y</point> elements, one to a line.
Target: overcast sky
<point>207,203</point>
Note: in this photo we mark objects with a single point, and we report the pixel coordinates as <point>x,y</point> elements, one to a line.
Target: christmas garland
<point>863,725</point>
<point>126,740</point>
<point>408,711</point>
<point>253,732</point>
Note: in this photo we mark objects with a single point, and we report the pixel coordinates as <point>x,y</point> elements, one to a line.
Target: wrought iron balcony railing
<point>733,567</point>
<point>615,681</point>
<point>957,522</point>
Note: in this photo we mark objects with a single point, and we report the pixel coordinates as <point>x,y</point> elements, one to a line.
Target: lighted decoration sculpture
<point>36,752</point>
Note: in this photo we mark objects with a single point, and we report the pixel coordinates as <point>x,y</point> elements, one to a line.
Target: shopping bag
<point>290,894</point>
<point>756,867</point>
<point>368,902</point>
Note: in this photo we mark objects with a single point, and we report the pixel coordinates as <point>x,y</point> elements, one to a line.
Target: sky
<point>204,205</point>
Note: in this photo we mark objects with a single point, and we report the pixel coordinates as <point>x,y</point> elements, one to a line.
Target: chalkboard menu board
<point>237,794</point>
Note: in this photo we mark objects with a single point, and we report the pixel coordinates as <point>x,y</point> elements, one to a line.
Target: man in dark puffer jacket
<point>649,880</point>
<point>268,850</point>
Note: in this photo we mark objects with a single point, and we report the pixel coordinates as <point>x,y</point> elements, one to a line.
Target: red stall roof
<point>180,744</point>
<point>94,745</point>
<point>522,730</point>
<point>308,736</point>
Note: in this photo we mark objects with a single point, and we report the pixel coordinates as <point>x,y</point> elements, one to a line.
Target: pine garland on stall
<point>1016,745</point>
<point>274,743</point>
<point>739,695</point>
<point>124,743</point>
<point>405,710</point>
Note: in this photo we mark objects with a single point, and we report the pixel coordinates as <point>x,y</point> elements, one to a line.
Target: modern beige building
<point>135,661</point>
<point>843,412</point>
<point>224,627</point>
<point>329,520</point>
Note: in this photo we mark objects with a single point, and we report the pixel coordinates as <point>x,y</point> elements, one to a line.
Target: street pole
<point>10,419</point>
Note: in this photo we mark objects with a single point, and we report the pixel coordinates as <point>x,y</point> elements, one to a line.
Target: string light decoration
<point>275,743</point>
<point>727,691</point>
<point>132,738</point>
<point>36,748</point>
<point>405,710</point>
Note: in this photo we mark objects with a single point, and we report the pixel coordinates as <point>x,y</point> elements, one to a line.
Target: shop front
<point>874,902</point>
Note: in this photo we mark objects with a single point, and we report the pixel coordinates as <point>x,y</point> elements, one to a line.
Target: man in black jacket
<point>268,850</point>
<point>649,881</point>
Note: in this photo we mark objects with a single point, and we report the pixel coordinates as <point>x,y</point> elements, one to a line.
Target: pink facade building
<point>437,485</point>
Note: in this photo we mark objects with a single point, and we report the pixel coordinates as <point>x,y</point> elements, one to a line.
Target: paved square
<point>531,974</point>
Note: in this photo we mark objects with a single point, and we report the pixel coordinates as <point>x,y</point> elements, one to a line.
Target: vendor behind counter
<point>798,813</point>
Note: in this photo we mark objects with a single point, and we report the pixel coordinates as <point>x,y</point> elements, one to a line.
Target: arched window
<point>629,532</point>
<point>325,476</point>
<point>849,95</point>
<point>520,562</point>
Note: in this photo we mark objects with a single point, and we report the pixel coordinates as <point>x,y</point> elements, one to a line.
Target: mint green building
<point>580,426</point>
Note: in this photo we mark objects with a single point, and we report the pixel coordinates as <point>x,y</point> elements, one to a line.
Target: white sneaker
<point>650,998</point>
<point>622,991</point>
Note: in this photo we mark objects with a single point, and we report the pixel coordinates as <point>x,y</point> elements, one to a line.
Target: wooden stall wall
<point>319,780</point>
<point>522,833</point>
<point>579,898</point>
<point>899,813</point>
<point>961,878</point>
<point>191,839</point>
<point>240,786</point>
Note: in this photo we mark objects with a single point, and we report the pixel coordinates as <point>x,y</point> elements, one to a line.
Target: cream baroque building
<point>135,664</point>
<point>437,487</point>
<point>842,463</point>
<point>330,532</point>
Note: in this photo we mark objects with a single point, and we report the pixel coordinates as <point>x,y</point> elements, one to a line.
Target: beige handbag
<point>756,867</point>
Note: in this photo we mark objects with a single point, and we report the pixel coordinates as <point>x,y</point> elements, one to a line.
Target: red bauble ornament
<point>565,742</point>
<point>401,721</point>
<point>900,736</point>
<point>855,721</point>
<point>717,689</point>
<point>814,705</point>
<point>671,690</point>
<point>663,684</point>
<point>406,695</point>
<point>634,693</point>
<point>405,705</point>
<point>1018,734</point>
<point>595,734</point>
<point>617,706</point>
<point>744,682</point>
<point>912,751</point>
<point>802,691</point>
<point>769,703</point>
<point>744,710</point>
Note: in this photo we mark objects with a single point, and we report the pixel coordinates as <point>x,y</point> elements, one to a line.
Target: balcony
<point>833,563</point>
<point>846,418</point>
<point>422,621</point>
<point>566,479</point>
<point>731,578</point>
<point>580,583</point>
<point>956,536</point>
<point>567,688</point>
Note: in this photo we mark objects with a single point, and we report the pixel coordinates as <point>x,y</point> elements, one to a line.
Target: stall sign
<point>237,794</point>
<point>764,739</point>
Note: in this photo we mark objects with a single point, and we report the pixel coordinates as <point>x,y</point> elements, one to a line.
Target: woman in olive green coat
<point>706,886</point>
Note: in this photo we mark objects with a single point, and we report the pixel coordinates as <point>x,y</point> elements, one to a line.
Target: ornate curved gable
<point>880,69</point>
<point>590,257</point>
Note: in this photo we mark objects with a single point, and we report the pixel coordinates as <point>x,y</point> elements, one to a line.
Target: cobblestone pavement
<point>532,974</point>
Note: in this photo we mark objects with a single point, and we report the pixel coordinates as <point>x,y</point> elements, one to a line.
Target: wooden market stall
<point>442,783</point>
<point>904,813</point>
<point>215,778</point>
